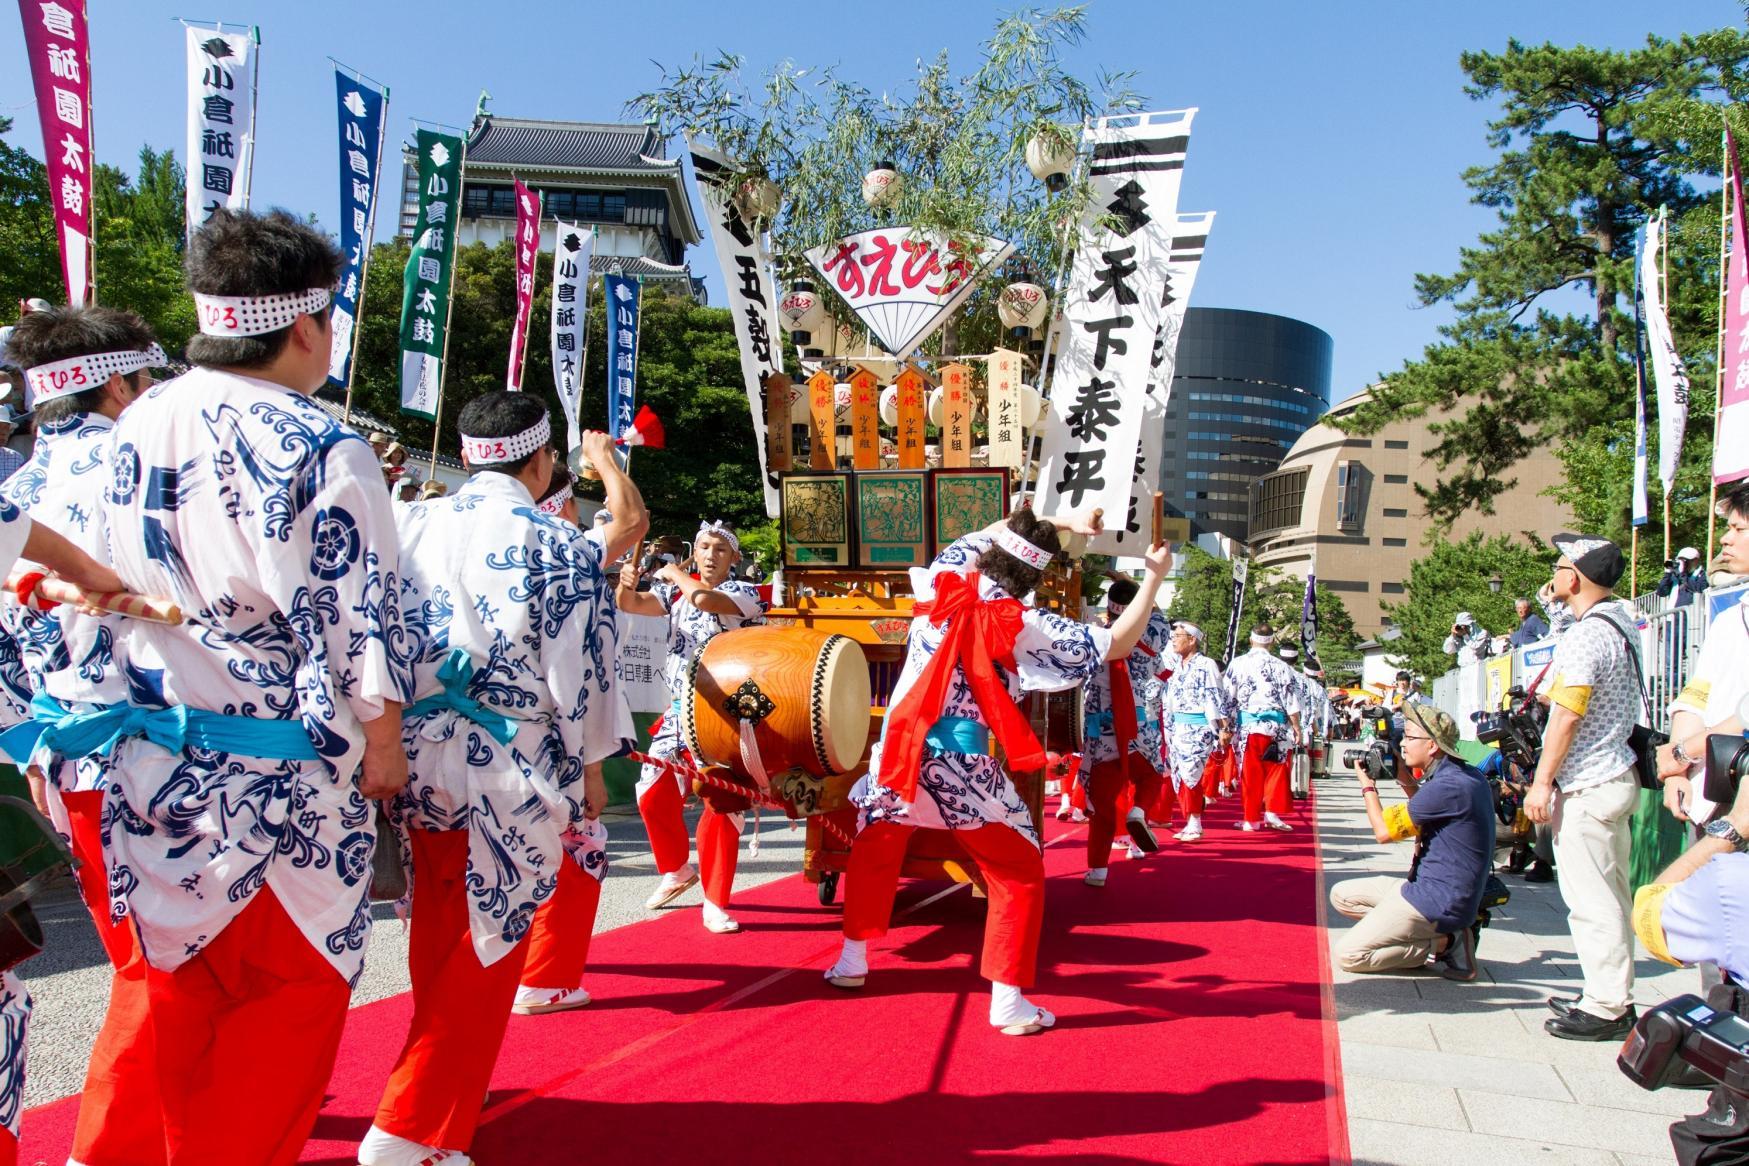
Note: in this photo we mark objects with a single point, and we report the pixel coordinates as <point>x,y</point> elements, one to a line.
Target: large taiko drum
<point>801,694</point>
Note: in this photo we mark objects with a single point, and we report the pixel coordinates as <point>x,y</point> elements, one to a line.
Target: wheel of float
<point>827,888</point>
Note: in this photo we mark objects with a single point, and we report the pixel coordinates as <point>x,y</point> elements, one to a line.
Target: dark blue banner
<point>623,297</point>
<point>361,139</point>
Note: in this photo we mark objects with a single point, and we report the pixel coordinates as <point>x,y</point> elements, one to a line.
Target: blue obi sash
<point>455,675</point>
<point>1272,716</point>
<point>1190,718</point>
<point>957,735</point>
<point>80,734</point>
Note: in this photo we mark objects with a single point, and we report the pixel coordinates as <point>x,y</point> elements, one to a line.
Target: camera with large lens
<point>1687,1031</point>
<point>1379,756</point>
<point>1727,760</point>
<point>1516,730</point>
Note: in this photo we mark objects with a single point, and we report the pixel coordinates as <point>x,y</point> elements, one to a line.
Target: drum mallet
<point>42,592</point>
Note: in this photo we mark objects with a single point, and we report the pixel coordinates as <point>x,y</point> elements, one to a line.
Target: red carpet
<point>1194,1026</point>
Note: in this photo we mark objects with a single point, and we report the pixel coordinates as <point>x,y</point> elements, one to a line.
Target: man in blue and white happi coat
<point>513,642</point>
<point>697,610</point>
<point>84,366</point>
<point>1122,736</point>
<point>1265,695</point>
<point>237,825</point>
<point>1195,709</point>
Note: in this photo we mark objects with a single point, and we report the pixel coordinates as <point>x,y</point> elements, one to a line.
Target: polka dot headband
<point>1035,557</point>
<point>75,374</point>
<point>256,315</point>
<point>718,530</point>
<point>492,451</point>
<point>555,502</point>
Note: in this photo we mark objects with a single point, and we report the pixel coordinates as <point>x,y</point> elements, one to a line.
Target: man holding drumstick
<point>973,648</point>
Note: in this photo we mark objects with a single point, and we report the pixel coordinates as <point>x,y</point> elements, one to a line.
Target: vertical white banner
<point>752,295</point>
<point>1668,373</point>
<point>1112,313</point>
<point>221,120</point>
<point>1130,536</point>
<point>571,254</point>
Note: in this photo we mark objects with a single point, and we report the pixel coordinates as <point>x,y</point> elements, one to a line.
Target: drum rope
<point>674,768</point>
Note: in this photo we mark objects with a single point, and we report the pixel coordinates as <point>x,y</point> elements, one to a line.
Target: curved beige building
<point>1346,507</point>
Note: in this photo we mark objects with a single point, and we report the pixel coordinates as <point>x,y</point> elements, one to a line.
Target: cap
<point>1688,553</point>
<point>1596,558</point>
<point>1436,723</point>
<point>1462,617</point>
<point>9,415</point>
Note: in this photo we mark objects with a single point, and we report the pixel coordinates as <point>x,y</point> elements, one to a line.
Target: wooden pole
<point>370,226</point>
<point>1728,170</point>
<point>461,170</point>
<point>1634,563</point>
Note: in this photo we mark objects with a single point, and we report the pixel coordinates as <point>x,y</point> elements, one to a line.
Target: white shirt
<point>1719,682</point>
<point>1593,675</point>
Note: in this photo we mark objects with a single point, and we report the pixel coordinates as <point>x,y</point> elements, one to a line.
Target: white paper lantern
<point>758,198</point>
<point>799,409</point>
<point>840,401</point>
<point>1022,306</point>
<point>1049,158</point>
<point>890,405</point>
<point>937,406</point>
<point>880,186</point>
<point>1031,405</point>
<point>804,312</point>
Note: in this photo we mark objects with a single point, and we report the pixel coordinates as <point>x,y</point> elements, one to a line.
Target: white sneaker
<point>539,1001</point>
<point>385,1149</point>
<point>1192,831</point>
<point>718,921</point>
<point>1094,878</point>
<point>1248,827</point>
<point>1134,852</point>
<point>1077,816</point>
<point>673,885</point>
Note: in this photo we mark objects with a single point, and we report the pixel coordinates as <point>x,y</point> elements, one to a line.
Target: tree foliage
<point>1453,577</point>
<point>1589,143</point>
<point>1204,596</point>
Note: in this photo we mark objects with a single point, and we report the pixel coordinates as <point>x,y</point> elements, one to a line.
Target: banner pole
<point>91,138</point>
<point>461,171</point>
<point>254,101</point>
<point>1663,278</point>
<point>1634,564</point>
<point>1728,173</point>
<point>370,230</point>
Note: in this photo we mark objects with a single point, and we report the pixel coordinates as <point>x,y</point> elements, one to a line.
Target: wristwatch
<point>1722,828</point>
<point>1681,754</point>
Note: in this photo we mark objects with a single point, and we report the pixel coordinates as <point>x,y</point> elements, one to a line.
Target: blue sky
<point>1330,139</point>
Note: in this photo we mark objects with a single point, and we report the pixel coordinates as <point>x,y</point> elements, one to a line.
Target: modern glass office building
<point>1245,386</point>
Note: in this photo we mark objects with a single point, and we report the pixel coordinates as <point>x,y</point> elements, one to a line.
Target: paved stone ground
<point>70,980</point>
<point>1437,1072</point>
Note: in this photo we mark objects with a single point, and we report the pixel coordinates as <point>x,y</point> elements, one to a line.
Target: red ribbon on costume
<point>979,635</point>
<point>1123,706</point>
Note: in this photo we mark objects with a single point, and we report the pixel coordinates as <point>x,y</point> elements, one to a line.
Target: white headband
<point>1189,629</point>
<point>256,315</point>
<point>491,451</point>
<point>718,530</point>
<point>555,502</point>
<point>1258,641</point>
<point>62,378</point>
<point>1035,557</point>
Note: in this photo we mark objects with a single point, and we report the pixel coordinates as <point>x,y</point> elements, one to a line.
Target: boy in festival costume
<point>1266,695</point>
<point>236,824</point>
<point>558,939</point>
<point>973,647</point>
<point>84,366</point>
<point>1196,715</point>
<point>697,609</point>
<point>511,645</point>
<point>1123,735</point>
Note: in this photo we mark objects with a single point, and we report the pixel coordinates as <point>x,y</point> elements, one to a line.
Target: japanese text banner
<point>1641,505</point>
<point>570,308</point>
<point>1731,446</point>
<point>361,107</point>
<point>430,272</point>
<point>1130,537</point>
<point>1112,313</point>
<point>1668,373</point>
<point>903,283</point>
<point>57,41</point>
<point>624,299</point>
<point>221,119</point>
<point>752,296</point>
<point>528,208</point>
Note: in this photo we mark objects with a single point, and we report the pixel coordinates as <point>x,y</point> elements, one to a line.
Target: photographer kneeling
<point>1450,814</point>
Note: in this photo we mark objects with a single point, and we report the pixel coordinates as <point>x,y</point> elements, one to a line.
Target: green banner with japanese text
<point>430,272</point>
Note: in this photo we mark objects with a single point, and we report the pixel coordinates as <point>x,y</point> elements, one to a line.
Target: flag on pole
<point>624,298</point>
<point>57,40</point>
<point>1642,507</point>
<point>1731,445</point>
<point>1236,610</point>
<point>1309,622</point>
<point>221,119</point>
<point>430,272</point>
<point>570,308</point>
<point>1668,374</point>
<point>528,213</point>
<point>362,107</point>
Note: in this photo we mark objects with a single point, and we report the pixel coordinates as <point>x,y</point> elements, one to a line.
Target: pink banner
<point>1731,447</point>
<point>527,247</point>
<point>58,43</point>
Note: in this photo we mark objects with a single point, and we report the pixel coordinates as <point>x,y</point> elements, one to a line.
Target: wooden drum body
<point>803,695</point>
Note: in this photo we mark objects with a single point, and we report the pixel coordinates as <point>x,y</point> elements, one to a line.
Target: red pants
<point>1108,780</point>
<point>460,1009</point>
<point>8,1148</point>
<point>121,1117</point>
<point>664,813</point>
<point>1262,784</point>
<point>1014,874</point>
<point>558,940</point>
<point>245,1035</point>
<point>719,852</point>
